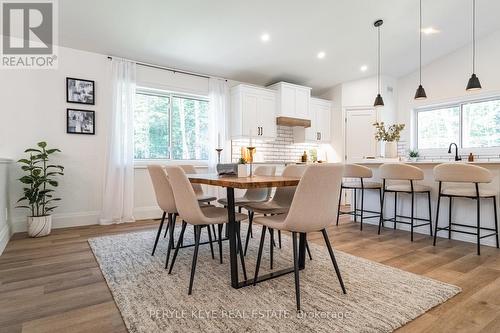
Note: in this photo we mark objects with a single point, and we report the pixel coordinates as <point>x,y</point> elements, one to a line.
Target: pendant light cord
<point>420,32</point>
<point>378,81</point>
<point>473,36</point>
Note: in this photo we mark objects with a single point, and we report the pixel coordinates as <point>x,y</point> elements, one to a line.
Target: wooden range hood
<point>293,122</point>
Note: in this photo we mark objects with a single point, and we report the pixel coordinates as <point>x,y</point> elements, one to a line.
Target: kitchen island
<point>464,210</point>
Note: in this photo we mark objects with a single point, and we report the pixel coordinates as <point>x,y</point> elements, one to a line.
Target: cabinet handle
<point>320,136</point>
<point>262,131</point>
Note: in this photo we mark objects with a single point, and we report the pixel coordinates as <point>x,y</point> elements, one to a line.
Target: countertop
<point>426,161</point>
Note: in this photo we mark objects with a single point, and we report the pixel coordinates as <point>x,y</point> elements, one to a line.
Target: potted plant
<point>242,168</point>
<point>390,136</point>
<point>413,155</point>
<point>39,181</point>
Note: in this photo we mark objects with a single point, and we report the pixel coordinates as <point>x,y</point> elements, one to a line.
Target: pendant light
<point>378,100</point>
<point>420,93</point>
<point>473,83</point>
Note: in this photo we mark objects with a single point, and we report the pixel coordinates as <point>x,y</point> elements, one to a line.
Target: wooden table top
<point>243,182</point>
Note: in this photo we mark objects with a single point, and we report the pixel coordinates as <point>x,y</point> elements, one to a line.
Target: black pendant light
<point>378,100</point>
<point>473,83</point>
<point>420,93</point>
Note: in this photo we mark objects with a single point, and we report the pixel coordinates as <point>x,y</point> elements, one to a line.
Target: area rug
<point>379,298</point>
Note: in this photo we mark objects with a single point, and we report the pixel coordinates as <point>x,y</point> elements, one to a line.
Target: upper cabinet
<point>320,115</point>
<point>253,112</point>
<point>293,100</point>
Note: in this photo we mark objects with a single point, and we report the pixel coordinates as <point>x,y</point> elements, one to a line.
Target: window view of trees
<point>170,127</point>
<point>477,122</point>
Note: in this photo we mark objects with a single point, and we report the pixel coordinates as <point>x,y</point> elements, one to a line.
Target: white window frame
<point>142,163</point>
<point>444,151</point>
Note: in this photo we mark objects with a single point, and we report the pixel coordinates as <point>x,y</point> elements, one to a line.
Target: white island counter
<point>464,210</point>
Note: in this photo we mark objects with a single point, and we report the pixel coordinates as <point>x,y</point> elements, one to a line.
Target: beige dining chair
<point>400,178</point>
<point>311,211</point>
<point>198,189</point>
<point>360,173</point>
<point>458,180</point>
<point>190,212</point>
<point>279,204</point>
<point>254,194</point>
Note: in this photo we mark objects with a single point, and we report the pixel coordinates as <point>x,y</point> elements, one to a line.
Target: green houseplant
<point>390,136</point>
<point>413,154</point>
<point>39,181</point>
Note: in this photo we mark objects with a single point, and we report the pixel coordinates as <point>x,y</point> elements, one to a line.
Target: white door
<point>360,134</point>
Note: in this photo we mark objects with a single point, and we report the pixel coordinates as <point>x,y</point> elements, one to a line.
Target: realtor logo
<point>29,34</point>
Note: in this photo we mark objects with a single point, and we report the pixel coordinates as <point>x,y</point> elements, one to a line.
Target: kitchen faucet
<point>457,158</point>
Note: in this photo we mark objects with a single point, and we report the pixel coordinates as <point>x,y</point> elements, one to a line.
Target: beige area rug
<point>379,298</point>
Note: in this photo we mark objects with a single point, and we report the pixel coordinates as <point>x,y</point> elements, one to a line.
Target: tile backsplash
<point>282,149</point>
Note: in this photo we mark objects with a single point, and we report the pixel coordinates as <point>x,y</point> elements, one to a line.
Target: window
<point>470,124</point>
<point>170,126</point>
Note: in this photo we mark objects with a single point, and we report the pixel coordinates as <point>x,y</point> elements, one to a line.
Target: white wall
<point>445,79</point>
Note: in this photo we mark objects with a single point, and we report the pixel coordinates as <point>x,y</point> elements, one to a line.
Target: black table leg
<point>302,250</point>
<point>231,228</point>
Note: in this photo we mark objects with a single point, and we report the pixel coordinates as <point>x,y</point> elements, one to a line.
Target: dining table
<point>231,183</point>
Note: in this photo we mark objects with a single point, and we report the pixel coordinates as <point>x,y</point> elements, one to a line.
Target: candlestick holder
<point>251,151</point>
<point>219,151</point>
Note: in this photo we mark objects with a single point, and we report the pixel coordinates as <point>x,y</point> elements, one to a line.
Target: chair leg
<point>271,245</point>
<point>159,232</point>
<point>210,241</point>
<point>380,221</point>
<point>395,208</point>
<point>296,270</point>
<point>219,227</point>
<point>179,243</point>
<point>478,227</point>
<point>240,250</point>
<point>250,225</point>
<point>197,233</point>
<point>449,217</point>
<point>214,233</point>
<point>437,218</point>
<point>496,218</point>
<point>338,208</point>
<point>430,212</point>
<point>259,255</point>
<point>308,251</point>
<point>239,209</point>
<point>249,231</point>
<point>279,238</point>
<point>362,208</point>
<point>332,256</point>
<point>355,206</point>
<point>170,239</point>
<point>173,224</point>
<point>412,213</point>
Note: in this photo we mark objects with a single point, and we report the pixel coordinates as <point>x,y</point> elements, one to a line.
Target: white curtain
<point>218,121</point>
<point>118,197</point>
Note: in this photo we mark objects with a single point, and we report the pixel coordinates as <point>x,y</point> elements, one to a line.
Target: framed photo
<point>80,121</point>
<point>80,91</point>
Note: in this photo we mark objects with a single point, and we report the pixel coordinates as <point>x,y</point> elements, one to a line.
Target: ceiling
<point>222,37</point>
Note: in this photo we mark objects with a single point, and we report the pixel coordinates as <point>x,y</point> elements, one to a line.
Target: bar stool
<point>360,172</point>
<point>404,173</point>
<point>469,177</point>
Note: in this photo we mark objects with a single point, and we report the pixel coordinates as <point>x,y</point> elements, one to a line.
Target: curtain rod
<point>173,70</point>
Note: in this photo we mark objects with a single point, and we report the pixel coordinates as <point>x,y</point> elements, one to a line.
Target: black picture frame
<point>81,125</point>
<point>85,97</point>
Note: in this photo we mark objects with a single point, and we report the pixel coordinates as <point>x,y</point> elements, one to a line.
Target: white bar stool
<point>361,173</point>
<point>469,177</point>
<point>409,173</point>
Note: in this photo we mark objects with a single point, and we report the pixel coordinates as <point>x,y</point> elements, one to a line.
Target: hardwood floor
<point>53,284</point>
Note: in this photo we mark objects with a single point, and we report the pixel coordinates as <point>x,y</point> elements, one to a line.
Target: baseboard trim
<point>4,237</point>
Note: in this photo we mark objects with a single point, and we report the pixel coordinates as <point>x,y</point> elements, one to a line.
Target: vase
<point>242,170</point>
<point>39,226</point>
<point>391,149</point>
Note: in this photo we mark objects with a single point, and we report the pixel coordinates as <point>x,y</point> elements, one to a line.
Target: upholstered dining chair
<point>198,190</point>
<point>279,204</point>
<point>190,212</point>
<point>254,194</point>
<point>311,210</point>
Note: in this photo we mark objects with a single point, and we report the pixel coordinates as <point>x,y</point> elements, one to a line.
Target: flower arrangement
<point>391,134</point>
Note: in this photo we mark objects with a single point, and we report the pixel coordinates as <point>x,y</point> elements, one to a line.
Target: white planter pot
<point>243,170</point>
<point>39,226</point>
<point>391,150</point>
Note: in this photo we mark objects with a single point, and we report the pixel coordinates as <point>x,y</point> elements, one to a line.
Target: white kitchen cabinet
<point>319,132</point>
<point>293,100</point>
<point>253,112</point>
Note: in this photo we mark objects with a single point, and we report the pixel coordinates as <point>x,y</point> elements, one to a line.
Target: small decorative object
<point>242,170</point>
<point>303,158</point>
<point>80,121</point>
<point>38,193</point>
<point>471,157</point>
<point>413,155</point>
<point>390,136</point>
<point>80,91</point>
<point>219,151</point>
<point>251,152</point>
<point>313,154</point>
